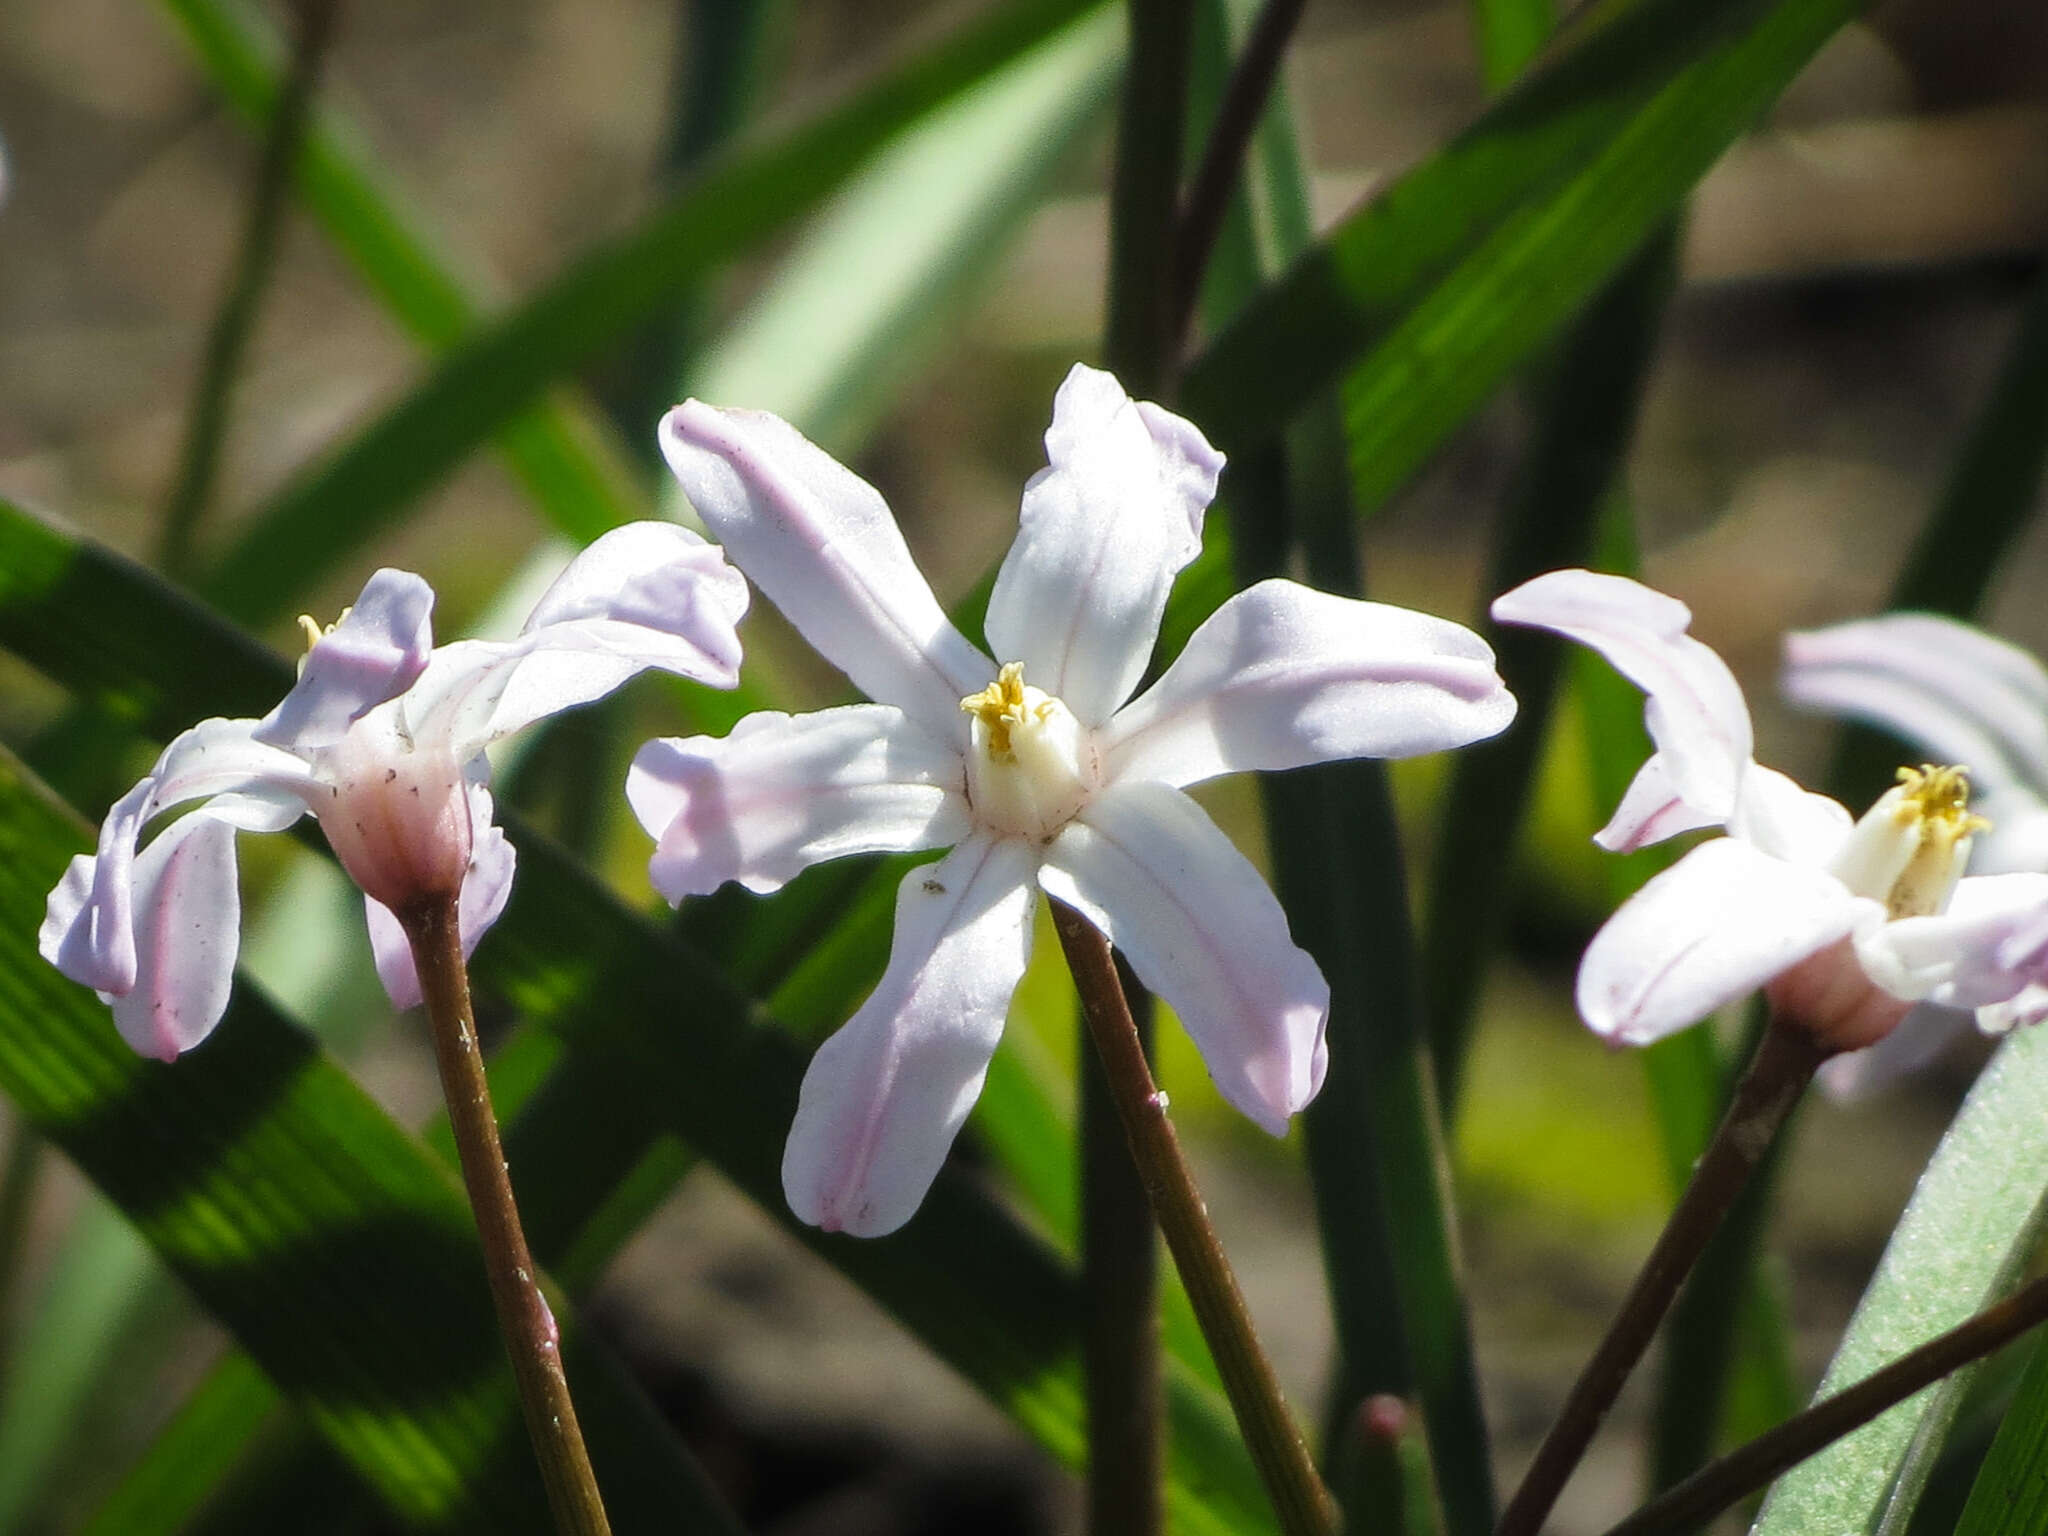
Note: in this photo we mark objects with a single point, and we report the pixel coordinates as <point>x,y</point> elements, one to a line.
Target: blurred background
<point>1849,278</point>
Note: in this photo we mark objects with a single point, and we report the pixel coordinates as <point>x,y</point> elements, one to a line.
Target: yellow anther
<point>1940,795</point>
<point>1000,706</point>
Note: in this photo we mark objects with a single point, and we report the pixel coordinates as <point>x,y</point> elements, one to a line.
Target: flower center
<point>1030,767</point>
<point>1911,847</point>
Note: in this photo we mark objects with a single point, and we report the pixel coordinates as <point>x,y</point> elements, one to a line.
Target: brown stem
<point>1120,1275</point>
<point>1237,119</point>
<point>1299,1497</point>
<point>1713,1488</point>
<point>524,1319</point>
<point>1782,1067</point>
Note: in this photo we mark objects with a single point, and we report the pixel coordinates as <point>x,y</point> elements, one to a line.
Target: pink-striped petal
<point>1104,529</point>
<point>1651,810</point>
<point>783,792</point>
<point>820,542</point>
<point>1199,926</point>
<point>1956,693</point>
<point>885,1096</point>
<point>374,653</point>
<point>1283,675</point>
<point>1694,707</point>
<point>188,918</point>
<point>1718,924</point>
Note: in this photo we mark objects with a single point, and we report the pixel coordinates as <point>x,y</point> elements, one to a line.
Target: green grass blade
<point>2010,1495</point>
<point>677,1041</point>
<point>1965,1236</point>
<point>922,225</point>
<point>1587,415</point>
<point>332,1246</point>
<point>1459,270</point>
<point>560,450</point>
<point>507,364</point>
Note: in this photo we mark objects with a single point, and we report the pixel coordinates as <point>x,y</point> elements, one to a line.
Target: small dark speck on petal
<point>390,774</point>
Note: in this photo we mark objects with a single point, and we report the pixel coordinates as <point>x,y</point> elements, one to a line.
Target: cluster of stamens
<point>1001,706</point>
<point>1938,797</point>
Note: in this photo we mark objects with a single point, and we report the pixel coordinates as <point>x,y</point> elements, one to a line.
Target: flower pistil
<point>1909,850</point>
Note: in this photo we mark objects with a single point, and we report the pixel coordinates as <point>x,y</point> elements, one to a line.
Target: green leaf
<point>739,199</point>
<point>1456,273</point>
<point>673,1045</point>
<point>1586,404</point>
<point>560,450</point>
<point>2010,1496</point>
<point>1969,1229</point>
<point>341,1256</point>
<point>922,225</point>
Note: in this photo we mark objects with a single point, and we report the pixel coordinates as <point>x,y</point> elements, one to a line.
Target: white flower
<point>1960,694</point>
<point>1845,923</point>
<point>382,739</point>
<point>1036,772</point>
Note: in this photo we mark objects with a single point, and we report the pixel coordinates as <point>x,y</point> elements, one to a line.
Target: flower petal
<point>1774,813</point>
<point>187,933</point>
<point>486,887</point>
<point>1650,811</point>
<point>885,1096</point>
<point>1105,528</point>
<point>1720,922</point>
<point>1921,1036</point>
<point>1694,709</point>
<point>1954,691</point>
<point>783,792</point>
<point>820,542</point>
<point>1282,675</point>
<point>1987,945</point>
<point>88,932</point>
<point>380,645</point>
<point>1147,866</point>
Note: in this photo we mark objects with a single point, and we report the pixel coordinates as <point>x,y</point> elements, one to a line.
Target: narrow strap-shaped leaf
<point>1455,273</point>
<point>340,1254</point>
<point>1588,400</point>
<point>2010,1495</point>
<point>560,449</point>
<point>671,1028</point>
<point>739,199</point>
<point>1970,1227</point>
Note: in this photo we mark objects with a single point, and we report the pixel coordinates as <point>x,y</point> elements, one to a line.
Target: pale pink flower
<point>382,739</point>
<point>1847,922</point>
<point>1964,696</point>
<point>1037,772</point>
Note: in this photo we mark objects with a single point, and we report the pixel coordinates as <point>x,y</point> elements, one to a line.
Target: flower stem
<point>1750,1467</point>
<point>1784,1064</point>
<point>524,1319</point>
<point>1299,1497</point>
<point>1120,1275</point>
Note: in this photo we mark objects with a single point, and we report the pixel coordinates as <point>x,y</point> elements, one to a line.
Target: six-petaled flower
<point>1038,768</point>
<point>381,739</point>
<point>1843,923</point>
<point>1954,692</point>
